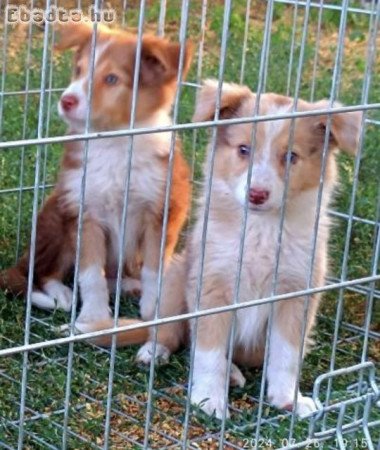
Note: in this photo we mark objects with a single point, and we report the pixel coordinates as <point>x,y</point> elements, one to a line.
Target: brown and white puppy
<point>106,175</point>
<point>264,192</point>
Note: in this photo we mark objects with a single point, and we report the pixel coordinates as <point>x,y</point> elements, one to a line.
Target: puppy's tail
<point>124,338</point>
<point>14,281</point>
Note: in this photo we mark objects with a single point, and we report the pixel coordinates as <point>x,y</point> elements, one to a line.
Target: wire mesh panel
<point>60,390</point>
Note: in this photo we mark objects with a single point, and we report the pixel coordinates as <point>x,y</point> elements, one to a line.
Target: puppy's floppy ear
<point>160,60</point>
<point>232,96</point>
<point>75,34</point>
<point>345,127</point>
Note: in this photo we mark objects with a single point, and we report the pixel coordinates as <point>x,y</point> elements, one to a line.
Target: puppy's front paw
<point>305,406</point>
<point>236,377</point>
<point>61,294</point>
<point>79,328</point>
<point>284,400</point>
<point>145,354</point>
<point>97,314</point>
<point>210,398</point>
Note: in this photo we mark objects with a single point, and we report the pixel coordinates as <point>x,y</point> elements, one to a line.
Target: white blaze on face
<point>264,175</point>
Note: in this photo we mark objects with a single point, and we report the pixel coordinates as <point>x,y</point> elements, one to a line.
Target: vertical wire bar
<point>123,16</point>
<point>370,61</point>
<point>4,69</point>
<point>311,266</point>
<point>260,87</point>
<point>79,230</point>
<point>47,124</point>
<point>366,431</point>
<point>371,58</point>
<point>335,85</point>
<point>33,239</point>
<point>344,265</point>
<point>282,218</point>
<point>292,47</point>
<point>198,80</point>
<point>371,295</point>
<point>182,39</point>
<point>208,180</point>
<point>245,41</point>
<point>124,219</point>
<point>24,128</point>
<point>339,437</point>
<point>316,51</point>
<point>161,19</point>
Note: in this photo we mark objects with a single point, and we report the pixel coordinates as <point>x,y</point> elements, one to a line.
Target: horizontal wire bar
<point>269,421</point>
<point>30,91</point>
<point>25,188</point>
<point>373,122</point>
<point>35,438</point>
<point>200,183</point>
<point>186,126</point>
<point>354,218</point>
<point>79,407</point>
<point>326,6</point>
<point>351,327</point>
<point>349,427</point>
<point>358,289</point>
<point>199,313</point>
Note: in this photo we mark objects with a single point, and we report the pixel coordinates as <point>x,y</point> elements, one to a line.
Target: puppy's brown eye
<point>293,157</point>
<point>111,79</point>
<point>244,150</point>
<point>77,71</point>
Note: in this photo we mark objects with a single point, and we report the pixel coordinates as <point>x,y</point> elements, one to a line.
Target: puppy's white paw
<point>236,377</point>
<point>98,313</point>
<point>305,406</point>
<point>83,327</point>
<point>145,354</point>
<point>43,301</point>
<point>210,398</point>
<point>79,328</point>
<point>55,296</point>
<point>62,294</point>
<point>284,400</point>
<point>63,329</point>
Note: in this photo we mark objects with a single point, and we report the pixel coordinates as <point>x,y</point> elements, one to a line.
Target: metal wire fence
<point>56,391</point>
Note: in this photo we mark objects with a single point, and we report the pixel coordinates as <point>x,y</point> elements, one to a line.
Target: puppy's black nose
<point>258,196</point>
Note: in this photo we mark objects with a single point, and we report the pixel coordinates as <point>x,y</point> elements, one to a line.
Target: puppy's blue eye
<point>244,150</point>
<point>293,157</point>
<point>111,79</point>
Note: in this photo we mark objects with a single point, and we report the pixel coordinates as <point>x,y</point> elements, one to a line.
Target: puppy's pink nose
<point>258,196</point>
<point>69,102</point>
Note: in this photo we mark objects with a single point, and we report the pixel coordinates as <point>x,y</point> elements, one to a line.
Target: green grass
<point>46,382</point>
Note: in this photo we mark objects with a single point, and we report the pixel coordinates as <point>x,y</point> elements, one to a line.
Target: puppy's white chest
<point>262,275</point>
<point>259,260</point>
<point>107,174</point>
<point>266,266</point>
